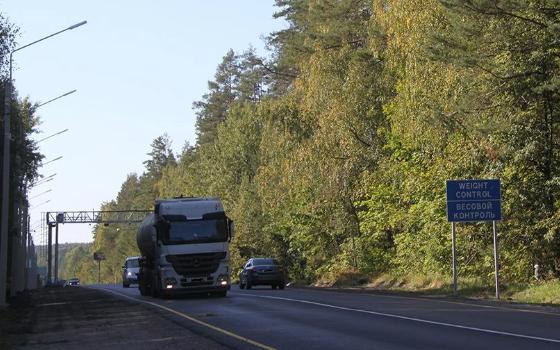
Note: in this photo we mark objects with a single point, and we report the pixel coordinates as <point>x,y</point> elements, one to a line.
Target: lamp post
<point>40,194</point>
<point>52,160</point>
<point>43,180</point>
<point>56,98</point>
<point>38,205</point>
<point>53,135</point>
<point>6,167</point>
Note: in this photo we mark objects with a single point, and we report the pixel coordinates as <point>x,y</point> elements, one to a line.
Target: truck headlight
<point>223,280</point>
<point>170,282</point>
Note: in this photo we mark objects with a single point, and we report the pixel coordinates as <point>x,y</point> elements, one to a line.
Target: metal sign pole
<point>98,271</point>
<point>49,255</point>
<point>496,264</point>
<point>454,253</point>
<point>56,254</point>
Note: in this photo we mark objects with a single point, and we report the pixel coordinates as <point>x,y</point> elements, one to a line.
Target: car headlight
<point>129,274</point>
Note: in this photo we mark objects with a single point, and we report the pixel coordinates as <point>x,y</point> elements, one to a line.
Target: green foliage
<point>70,255</point>
<point>332,155</point>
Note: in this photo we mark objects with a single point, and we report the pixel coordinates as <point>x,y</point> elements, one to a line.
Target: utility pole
<point>4,215</point>
<point>6,160</point>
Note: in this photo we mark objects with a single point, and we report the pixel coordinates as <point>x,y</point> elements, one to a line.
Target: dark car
<point>262,271</point>
<point>131,268</point>
<point>73,282</point>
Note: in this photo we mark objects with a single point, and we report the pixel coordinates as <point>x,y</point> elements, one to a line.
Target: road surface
<point>262,318</point>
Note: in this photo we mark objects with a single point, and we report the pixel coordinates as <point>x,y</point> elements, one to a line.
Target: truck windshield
<point>195,231</point>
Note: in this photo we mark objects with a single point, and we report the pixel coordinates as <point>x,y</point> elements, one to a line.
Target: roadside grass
<point>542,292</point>
<point>545,292</point>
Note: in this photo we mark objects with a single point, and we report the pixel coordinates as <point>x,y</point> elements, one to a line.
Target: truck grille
<point>196,264</point>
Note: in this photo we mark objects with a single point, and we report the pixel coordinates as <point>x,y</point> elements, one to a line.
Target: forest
<point>332,152</point>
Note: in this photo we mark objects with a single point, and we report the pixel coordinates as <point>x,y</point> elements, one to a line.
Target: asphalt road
<point>309,319</point>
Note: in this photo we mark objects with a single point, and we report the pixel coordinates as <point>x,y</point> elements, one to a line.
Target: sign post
<point>454,257</point>
<point>473,201</point>
<point>98,256</point>
<point>496,265</point>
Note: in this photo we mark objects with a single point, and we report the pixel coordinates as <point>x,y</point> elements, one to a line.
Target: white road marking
<point>233,335</point>
<point>414,319</point>
<point>470,304</point>
<point>54,304</point>
<point>443,301</point>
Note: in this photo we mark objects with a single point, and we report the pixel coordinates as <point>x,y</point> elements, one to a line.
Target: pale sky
<point>138,66</point>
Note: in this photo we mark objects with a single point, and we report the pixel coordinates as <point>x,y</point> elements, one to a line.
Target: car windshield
<point>265,261</point>
<point>180,230</point>
<point>132,263</point>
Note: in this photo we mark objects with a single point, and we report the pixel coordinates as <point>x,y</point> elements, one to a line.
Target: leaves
<point>333,153</point>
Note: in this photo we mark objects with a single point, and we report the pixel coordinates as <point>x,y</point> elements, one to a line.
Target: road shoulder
<point>83,318</point>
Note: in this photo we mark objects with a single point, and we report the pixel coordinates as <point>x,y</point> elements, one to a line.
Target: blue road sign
<point>473,200</point>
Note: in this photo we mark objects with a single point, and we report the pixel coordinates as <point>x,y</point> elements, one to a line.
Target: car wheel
<point>282,285</point>
<point>241,285</point>
<point>125,285</point>
<point>274,286</point>
<point>248,285</point>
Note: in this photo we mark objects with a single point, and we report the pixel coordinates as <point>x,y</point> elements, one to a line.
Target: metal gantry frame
<point>53,218</point>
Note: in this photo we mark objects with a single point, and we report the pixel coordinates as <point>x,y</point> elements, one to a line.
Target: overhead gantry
<point>53,219</point>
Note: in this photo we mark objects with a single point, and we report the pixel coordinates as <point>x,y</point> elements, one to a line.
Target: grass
<point>545,292</point>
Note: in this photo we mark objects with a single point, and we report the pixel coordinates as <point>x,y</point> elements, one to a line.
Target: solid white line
<point>414,319</point>
<point>503,308</point>
<point>233,335</point>
<point>509,309</point>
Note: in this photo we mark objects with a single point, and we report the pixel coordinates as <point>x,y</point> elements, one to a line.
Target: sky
<point>137,66</point>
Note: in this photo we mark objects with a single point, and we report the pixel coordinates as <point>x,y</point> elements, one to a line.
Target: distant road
<point>308,319</point>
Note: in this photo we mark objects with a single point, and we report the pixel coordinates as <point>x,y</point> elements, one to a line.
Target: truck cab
<point>185,248</point>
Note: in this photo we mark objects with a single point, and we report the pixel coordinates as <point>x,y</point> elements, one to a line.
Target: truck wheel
<point>142,288</point>
<point>156,288</point>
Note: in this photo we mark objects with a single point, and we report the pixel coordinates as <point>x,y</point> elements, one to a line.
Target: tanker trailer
<point>184,245</point>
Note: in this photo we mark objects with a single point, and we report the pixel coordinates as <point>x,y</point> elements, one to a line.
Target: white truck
<point>185,248</point>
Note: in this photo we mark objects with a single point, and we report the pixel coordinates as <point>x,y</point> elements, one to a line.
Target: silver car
<point>131,268</point>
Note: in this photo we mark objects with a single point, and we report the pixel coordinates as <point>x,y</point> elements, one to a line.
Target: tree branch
<point>270,70</point>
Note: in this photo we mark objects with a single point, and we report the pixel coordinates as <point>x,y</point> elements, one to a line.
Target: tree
<point>161,156</point>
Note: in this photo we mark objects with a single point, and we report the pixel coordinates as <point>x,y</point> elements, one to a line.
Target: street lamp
<point>38,205</point>
<point>6,167</point>
<point>56,98</point>
<point>50,161</point>
<point>43,180</point>
<point>35,184</point>
<point>53,135</point>
<point>40,194</point>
